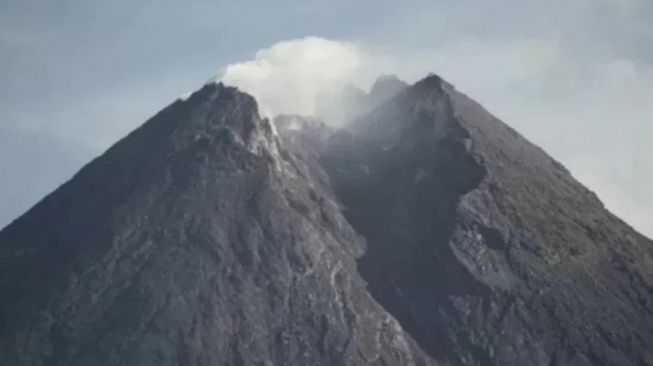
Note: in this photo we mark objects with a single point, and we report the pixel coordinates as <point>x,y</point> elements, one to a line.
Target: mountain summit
<point>426,232</point>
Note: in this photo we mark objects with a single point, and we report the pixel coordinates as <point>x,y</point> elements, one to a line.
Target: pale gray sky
<point>574,76</point>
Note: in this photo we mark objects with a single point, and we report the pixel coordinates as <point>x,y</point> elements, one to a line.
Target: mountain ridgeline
<point>424,232</point>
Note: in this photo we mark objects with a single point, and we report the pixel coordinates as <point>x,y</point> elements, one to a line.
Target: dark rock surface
<point>195,240</point>
<point>427,233</point>
<point>484,248</point>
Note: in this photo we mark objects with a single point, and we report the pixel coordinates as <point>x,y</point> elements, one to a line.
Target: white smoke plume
<point>289,76</point>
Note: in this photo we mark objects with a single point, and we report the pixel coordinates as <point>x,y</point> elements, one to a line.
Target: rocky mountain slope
<point>484,248</point>
<point>193,241</point>
<point>428,232</point>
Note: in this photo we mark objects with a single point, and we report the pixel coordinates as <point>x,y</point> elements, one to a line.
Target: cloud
<point>289,75</point>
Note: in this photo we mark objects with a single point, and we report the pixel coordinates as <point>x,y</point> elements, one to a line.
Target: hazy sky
<point>574,76</point>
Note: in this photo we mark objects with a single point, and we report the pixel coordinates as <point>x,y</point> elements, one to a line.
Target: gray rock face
<point>196,240</point>
<point>426,233</point>
<point>484,248</point>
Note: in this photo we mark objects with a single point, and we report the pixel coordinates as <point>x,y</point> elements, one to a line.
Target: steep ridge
<point>196,240</point>
<point>484,248</point>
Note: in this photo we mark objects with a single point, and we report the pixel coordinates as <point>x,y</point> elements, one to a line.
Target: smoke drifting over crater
<point>290,77</point>
<point>539,86</point>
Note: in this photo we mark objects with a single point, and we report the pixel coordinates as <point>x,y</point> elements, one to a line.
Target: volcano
<point>424,232</point>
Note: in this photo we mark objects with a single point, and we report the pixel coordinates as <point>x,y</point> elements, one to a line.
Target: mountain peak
<point>426,233</point>
<point>462,214</point>
<point>181,245</point>
<point>385,87</point>
<point>220,110</point>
